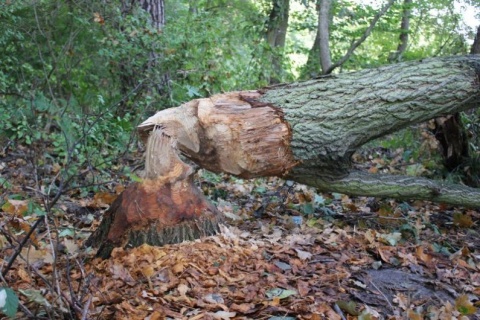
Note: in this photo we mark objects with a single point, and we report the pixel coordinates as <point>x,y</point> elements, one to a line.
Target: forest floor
<point>286,251</point>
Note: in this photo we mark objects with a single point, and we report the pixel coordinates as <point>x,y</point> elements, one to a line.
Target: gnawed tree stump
<point>308,131</point>
<point>166,207</point>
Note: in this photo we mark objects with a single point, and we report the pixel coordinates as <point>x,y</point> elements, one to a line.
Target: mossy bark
<point>332,116</point>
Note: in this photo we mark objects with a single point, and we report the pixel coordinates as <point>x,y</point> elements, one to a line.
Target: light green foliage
<point>434,31</point>
<point>211,51</point>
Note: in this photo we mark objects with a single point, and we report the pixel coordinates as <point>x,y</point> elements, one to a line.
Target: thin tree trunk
<point>276,35</point>
<point>278,23</point>
<point>404,31</point>
<point>312,68</point>
<point>324,35</point>
<point>156,9</point>
<point>129,77</point>
<point>321,47</point>
<point>475,49</point>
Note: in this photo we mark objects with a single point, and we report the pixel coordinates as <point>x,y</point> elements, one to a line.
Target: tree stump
<point>166,207</point>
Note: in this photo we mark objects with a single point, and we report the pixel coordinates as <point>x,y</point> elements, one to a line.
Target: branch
<point>362,38</point>
<point>359,183</point>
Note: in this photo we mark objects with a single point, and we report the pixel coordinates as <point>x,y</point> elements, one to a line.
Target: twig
<point>21,245</point>
<point>336,307</point>
<point>85,308</point>
<point>383,294</point>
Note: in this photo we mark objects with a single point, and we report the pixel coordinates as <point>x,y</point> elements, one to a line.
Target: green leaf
<point>349,307</point>
<point>337,196</point>
<point>319,200</point>
<point>8,302</point>
<point>415,169</point>
<point>35,296</point>
<point>135,178</point>
<point>365,316</point>
<point>260,189</point>
<point>192,91</point>
<point>308,208</point>
<point>66,233</point>
<point>39,212</point>
<point>280,293</point>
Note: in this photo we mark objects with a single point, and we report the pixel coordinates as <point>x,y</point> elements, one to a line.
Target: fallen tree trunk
<point>308,131</point>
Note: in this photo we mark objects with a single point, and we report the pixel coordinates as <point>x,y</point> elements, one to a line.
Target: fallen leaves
<point>266,264</point>
<point>464,306</point>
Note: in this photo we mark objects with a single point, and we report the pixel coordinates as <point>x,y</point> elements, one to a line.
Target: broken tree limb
<point>304,131</point>
<point>400,187</point>
<point>308,131</point>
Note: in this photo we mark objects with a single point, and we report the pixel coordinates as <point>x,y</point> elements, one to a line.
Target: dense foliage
<point>76,76</point>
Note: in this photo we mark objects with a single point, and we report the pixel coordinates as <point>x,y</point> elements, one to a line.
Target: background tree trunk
<point>324,35</point>
<point>404,31</point>
<point>156,9</point>
<point>453,138</point>
<point>276,34</point>
<point>475,49</point>
<point>321,47</point>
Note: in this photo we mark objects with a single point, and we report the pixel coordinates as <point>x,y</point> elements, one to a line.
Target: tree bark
<point>324,35</point>
<point>475,49</point>
<point>129,76</point>
<point>278,23</point>
<point>156,9</point>
<point>304,131</point>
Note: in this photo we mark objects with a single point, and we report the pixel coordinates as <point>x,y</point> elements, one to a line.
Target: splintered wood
<point>162,159</point>
<point>230,133</point>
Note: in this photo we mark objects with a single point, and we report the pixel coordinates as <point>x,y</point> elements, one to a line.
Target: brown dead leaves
<point>223,277</point>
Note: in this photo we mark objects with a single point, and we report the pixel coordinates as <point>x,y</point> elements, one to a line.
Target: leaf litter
<point>285,252</point>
